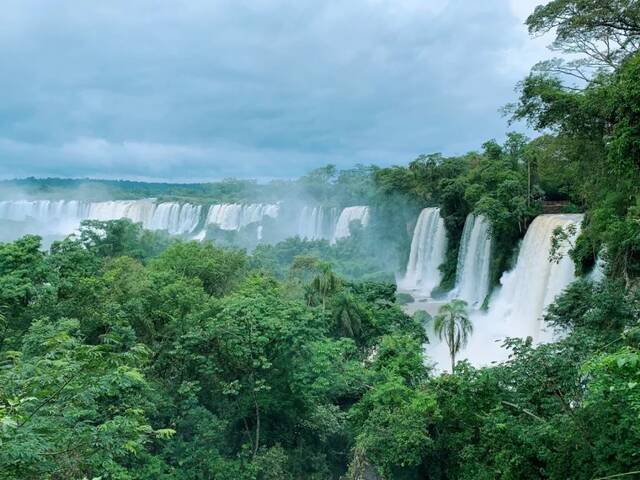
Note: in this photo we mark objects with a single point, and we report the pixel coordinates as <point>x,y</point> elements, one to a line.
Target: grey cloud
<point>207,89</point>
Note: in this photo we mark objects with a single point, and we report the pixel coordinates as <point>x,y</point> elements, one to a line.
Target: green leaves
<point>62,395</point>
<point>393,421</point>
<point>452,325</point>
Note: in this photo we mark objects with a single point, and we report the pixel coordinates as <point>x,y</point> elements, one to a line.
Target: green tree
<point>121,237</point>
<point>23,277</point>
<point>72,410</point>
<point>217,268</point>
<point>604,32</point>
<point>347,314</point>
<point>325,284</point>
<point>452,325</point>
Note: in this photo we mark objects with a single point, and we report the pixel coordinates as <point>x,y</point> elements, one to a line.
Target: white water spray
<point>348,215</point>
<point>474,261</point>
<point>428,250</point>
<point>516,310</point>
<point>234,216</point>
<point>62,217</point>
<point>316,223</point>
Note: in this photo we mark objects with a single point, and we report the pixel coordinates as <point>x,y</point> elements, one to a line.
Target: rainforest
<point>470,317</point>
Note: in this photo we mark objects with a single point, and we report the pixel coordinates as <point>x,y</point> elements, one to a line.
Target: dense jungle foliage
<point>127,354</point>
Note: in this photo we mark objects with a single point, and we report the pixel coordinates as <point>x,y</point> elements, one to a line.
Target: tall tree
<point>325,284</point>
<point>452,325</point>
<point>602,33</point>
<point>347,314</point>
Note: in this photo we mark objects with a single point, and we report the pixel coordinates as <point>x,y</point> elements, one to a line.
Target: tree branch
<point>46,401</point>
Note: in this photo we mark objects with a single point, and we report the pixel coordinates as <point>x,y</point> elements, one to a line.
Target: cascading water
<point>516,309</point>
<point>135,210</point>
<point>40,210</point>
<point>175,218</point>
<point>535,281</point>
<point>61,217</point>
<point>316,223</point>
<point>57,217</point>
<point>233,216</point>
<point>348,215</point>
<point>310,223</point>
<point>474,261</point>
<point>226,217</point>
<point>428,250</point>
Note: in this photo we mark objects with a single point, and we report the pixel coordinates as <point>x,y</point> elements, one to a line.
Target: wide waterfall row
<point>428,250</point>
<point>64,216</point>
<point>61,217</point>
<point>474,261</point>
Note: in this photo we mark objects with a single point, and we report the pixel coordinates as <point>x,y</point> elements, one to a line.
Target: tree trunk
<point>528,182</point>
<point>256,444</point>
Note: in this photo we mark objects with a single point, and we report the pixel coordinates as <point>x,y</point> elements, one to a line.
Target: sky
<point>190,90</point>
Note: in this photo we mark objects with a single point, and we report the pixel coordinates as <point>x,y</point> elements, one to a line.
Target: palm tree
<point>325,284</point>
<point>452,325</point>
<point>347,314</point>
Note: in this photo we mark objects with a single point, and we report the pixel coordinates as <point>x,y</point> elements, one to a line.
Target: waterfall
<point>598,273</point>
<point>135,210</point>
<point>175,218</point>
<point>57,217</point>
<point>535,281</point>
<point>226,216</point>
<point>517,308</point>
<point>39,210</point>
<point>348,215</point>
<point>316,223</point>
<point>428,250</point>
<point>62,217</point>
<point>474,261</point>
<point>234,216</point>
<point>310,223</point>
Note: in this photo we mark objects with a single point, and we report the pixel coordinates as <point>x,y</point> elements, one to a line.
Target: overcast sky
<point>204,89</point>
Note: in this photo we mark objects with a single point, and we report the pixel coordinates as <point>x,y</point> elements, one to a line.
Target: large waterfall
<point>428,250</point>
<point>535,281</point>
<point>61,217</point>
<point>516,310</point>
<point>348,215</point>
<point>474,261</point>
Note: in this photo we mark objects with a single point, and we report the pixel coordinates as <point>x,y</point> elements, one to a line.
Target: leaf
<point>164,433</point>
<point>8,422</point>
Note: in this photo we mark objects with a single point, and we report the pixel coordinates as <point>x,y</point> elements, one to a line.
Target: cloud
<point>211,88</point>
